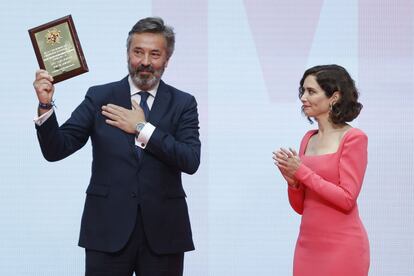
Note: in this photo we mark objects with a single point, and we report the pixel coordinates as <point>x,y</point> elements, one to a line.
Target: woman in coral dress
<point>325,178</point>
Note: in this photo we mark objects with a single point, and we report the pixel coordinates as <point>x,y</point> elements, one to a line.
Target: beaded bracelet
<point>47,105</point>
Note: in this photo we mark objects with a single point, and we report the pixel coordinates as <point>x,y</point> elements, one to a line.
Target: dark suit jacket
<point>119,182</point>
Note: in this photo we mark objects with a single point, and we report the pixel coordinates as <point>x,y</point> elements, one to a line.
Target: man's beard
<point>145,82</point>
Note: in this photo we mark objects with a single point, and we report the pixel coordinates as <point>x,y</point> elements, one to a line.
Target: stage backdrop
<point>242,60</point>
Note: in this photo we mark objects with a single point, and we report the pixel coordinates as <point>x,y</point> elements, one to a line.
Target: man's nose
<point>146,60</point>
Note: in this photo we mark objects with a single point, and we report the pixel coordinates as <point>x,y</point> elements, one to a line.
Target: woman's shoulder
<point>310,133</point>
<point>354,136</point>
<point>305,140</point>
<point>355,132</point>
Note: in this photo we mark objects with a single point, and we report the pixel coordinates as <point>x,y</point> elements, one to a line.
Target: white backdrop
<point>243,61</point>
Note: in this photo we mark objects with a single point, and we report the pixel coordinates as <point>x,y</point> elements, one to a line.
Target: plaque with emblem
<point>58,50</point>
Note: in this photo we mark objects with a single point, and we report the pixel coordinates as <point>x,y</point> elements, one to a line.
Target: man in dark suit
<point>144,134</point>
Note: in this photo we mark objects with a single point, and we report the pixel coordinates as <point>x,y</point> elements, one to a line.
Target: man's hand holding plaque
<point>45,89</point>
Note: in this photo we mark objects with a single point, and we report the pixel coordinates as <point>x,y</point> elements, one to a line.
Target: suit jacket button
<point>134,194</point>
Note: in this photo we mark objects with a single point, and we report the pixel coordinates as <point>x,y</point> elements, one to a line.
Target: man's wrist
<point>46,106</point>
<point>138,127</point>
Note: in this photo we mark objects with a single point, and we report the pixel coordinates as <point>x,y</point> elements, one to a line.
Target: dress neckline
<point>325,154</point>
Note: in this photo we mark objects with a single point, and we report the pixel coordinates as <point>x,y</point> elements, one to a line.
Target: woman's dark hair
<point>332,78</point>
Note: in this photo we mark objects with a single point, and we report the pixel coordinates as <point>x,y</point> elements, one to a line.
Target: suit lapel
<point>121,95</point>
<point>160,105</point>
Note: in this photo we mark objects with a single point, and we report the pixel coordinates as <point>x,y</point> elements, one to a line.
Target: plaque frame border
<point>81,57</point>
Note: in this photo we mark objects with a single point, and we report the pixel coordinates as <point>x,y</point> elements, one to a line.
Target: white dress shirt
<point>145,134</point>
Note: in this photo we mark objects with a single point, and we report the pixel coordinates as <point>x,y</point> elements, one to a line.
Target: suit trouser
<point>136,257</point>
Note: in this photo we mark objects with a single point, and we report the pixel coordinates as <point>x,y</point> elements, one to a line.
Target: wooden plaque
<point>58,50</point>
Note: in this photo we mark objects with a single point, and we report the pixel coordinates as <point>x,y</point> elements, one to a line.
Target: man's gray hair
<point>154,25</point>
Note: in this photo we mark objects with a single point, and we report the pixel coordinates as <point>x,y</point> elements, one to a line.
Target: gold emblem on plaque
<point>53,36</point>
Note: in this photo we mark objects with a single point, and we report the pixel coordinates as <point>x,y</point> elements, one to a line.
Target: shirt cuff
<point>41,119</point>
<point>145,135</point>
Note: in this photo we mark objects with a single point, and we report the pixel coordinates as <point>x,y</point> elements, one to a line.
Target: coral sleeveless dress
<point>332,239</point>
